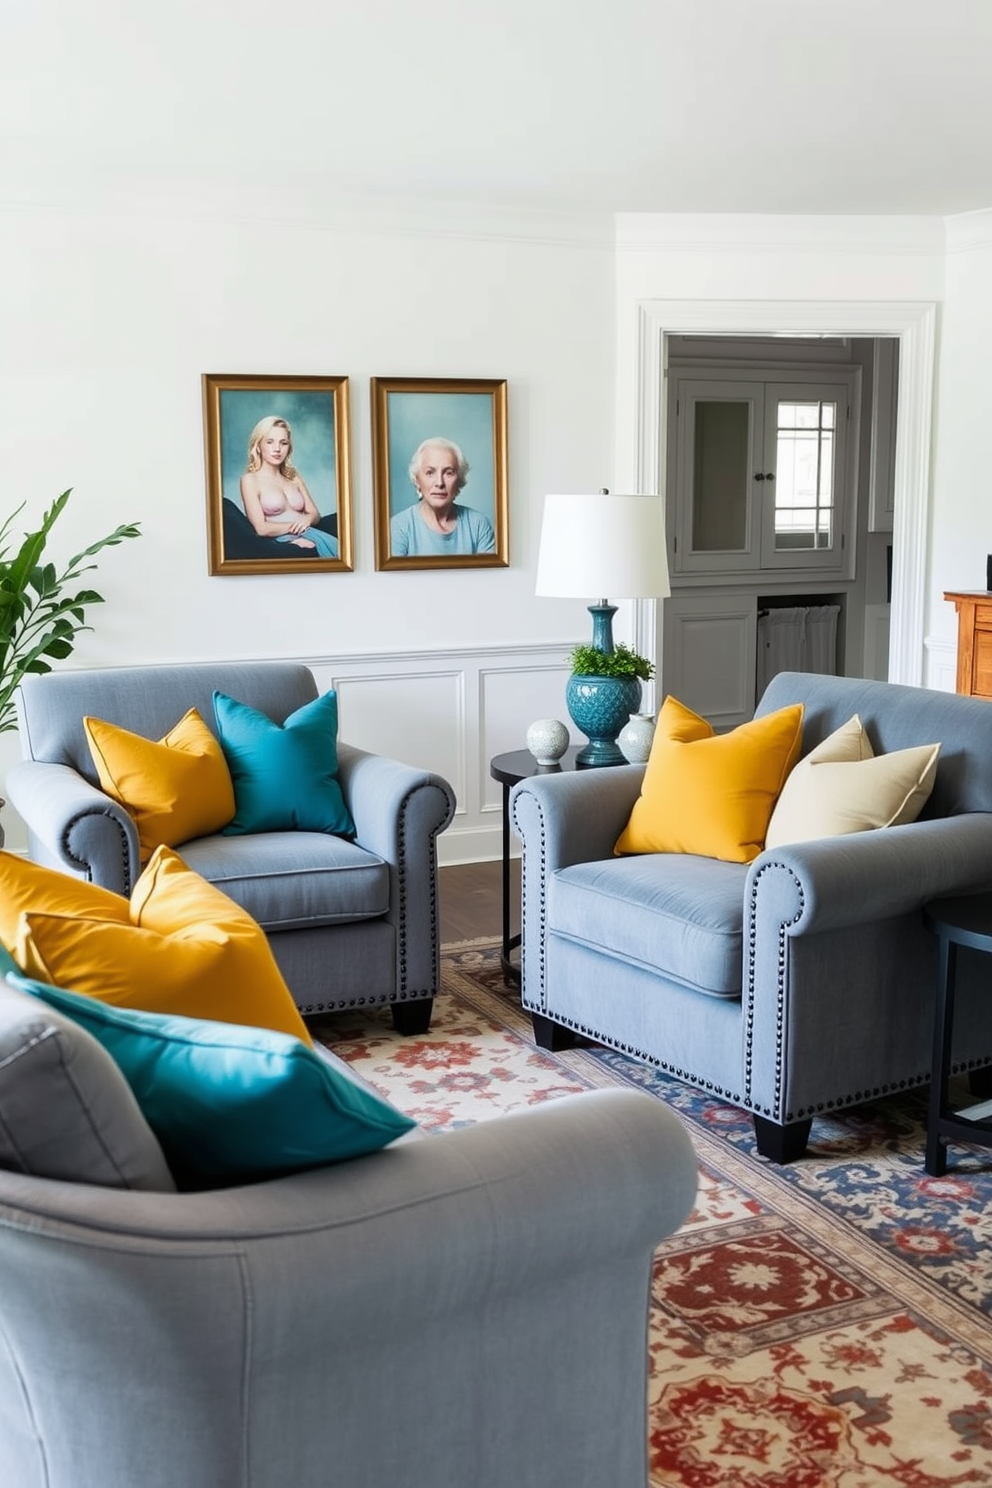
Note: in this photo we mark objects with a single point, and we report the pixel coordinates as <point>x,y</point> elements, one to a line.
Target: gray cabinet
<point>762,472</point>
<point>709,654</point>
<point>762,500</point>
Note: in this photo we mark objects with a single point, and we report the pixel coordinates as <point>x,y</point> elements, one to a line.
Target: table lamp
<point>599,543</point>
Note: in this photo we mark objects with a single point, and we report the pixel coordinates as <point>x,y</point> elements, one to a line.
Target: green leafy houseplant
<point>601,694</point>
<point>590,661</point>
<point>39,622</point>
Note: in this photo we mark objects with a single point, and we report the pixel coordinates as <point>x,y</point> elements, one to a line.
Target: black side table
<point>963,921</point>
<point>510,768</point>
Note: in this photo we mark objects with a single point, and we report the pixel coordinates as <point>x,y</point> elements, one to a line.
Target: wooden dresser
<point>974,607</point>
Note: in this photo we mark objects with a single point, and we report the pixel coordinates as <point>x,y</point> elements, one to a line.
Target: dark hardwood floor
<point>471,898</point>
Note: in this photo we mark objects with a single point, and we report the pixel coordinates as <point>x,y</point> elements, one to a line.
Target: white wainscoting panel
<point>451,711</point>
<point>511,697</point>
<point>420,714</point>
<point>942,664</point>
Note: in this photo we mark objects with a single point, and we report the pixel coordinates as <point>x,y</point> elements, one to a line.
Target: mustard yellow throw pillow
<point>184,947</point>
<point>842,786</point>
<point>26,885</point>
<point>712,794</point>
<point>175,789</point>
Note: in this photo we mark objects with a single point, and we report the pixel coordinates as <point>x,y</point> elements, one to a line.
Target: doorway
<point>779,512</point>
<point>913,323</point>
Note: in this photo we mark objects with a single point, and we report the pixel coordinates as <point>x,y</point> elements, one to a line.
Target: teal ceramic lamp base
<point>600,706</point>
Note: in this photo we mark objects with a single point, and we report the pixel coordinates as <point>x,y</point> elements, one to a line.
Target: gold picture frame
<point>460,419</point>
<point>315,476</point>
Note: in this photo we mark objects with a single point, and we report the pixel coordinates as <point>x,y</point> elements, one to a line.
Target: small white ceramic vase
<point>634,739</point>
<point>547,740</point>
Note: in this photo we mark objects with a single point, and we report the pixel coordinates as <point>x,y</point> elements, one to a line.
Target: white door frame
<point>914,324</point>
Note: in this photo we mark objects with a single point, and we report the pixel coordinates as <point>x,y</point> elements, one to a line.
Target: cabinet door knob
<point>770,475</point>
<point>758,475</point>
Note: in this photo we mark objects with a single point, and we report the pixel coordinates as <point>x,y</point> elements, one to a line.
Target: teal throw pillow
<point>231,1104</point>
<point>284,775</point>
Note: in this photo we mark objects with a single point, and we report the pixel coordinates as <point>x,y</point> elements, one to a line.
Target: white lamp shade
<point>601,545</point>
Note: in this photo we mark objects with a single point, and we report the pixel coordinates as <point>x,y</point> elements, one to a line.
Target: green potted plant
<point>39,621</point>
<point>601,694</point>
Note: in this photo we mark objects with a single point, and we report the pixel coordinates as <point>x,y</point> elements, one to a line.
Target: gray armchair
<point>794,985</point>
<point>464,1309</point>
<point>351,924</point>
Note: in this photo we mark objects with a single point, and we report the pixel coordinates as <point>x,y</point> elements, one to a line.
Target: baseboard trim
<point>472,845</point>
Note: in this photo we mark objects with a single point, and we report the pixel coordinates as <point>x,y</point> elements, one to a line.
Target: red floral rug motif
<point>740,1286</point>
<point>713,1433</point>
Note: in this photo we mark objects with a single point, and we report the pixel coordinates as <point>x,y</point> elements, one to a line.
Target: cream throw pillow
<point>842,786</point>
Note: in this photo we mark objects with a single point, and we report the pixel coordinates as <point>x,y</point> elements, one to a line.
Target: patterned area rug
<point>822,1325</point>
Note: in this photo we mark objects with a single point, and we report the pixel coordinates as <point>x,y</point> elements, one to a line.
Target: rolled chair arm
<point>863,877</point>
<point>574,817</point>
<point>398,811</point>
<point>563,819</point>
<point>840,967</point>
<point>73,826</point>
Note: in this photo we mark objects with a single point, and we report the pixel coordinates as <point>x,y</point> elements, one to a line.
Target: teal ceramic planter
<point>599,707</point>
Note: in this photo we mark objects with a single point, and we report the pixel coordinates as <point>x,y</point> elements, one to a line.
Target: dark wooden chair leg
<point>550,1035</point>
<point>781,1144</point>
<point>413,1017</point>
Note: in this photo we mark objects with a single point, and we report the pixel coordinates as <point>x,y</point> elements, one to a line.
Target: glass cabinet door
<point>759,470</point>
<point>719,425</point>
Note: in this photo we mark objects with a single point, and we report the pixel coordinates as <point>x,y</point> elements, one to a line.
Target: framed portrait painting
<point>439,472</point>
<point>278,474</point>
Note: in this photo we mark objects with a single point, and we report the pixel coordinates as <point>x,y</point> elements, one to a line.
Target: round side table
<point>509,769</point>
<point>962,921</point>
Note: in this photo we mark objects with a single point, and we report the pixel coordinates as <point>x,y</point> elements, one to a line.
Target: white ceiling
<point>805,106</point>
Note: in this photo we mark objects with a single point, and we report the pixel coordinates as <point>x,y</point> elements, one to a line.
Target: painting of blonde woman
<point>278,474</point>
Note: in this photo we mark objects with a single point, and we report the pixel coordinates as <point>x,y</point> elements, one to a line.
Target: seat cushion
<point>66,1111</point>
<point>676,914</point>
<point>294,880</point>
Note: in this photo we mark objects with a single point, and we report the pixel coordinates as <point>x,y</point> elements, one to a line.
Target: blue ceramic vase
<point>599,707</point>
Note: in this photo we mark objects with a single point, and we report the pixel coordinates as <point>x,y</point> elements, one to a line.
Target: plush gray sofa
<point>351,924</point>
<point>794,985</point>
<point>459,1309</point>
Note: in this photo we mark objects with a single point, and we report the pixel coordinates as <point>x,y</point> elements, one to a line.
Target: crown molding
<point>969,232</point>
<point>317,208</point>
<point>641,232</point>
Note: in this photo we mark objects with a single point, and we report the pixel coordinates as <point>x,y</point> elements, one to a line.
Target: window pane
<point>804,475</point>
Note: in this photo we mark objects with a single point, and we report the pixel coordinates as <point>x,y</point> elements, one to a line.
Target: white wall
<point>110,313</point>
<point>961,514</point>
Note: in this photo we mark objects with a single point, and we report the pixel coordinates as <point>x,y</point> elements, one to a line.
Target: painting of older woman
<point>438,524</point>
